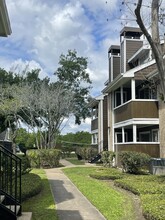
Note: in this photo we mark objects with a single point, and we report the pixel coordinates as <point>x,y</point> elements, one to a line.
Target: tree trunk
<point>154,41</point>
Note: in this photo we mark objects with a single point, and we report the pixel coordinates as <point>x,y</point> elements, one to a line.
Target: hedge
<point>44,158</point>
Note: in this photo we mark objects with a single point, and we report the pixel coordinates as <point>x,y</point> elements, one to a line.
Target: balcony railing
<point>10,184</point>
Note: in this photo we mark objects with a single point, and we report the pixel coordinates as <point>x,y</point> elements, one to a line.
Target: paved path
<point>71,204</point>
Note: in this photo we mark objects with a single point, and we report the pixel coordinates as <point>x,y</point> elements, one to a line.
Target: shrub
<point>31,185</point>
<point>107,158</point>
<point>142,184</point>
<point>107,174</point>
<point>132,161</point>
<point>25,164</point>
<point>34,158</point>
<point>44,158</point>
<point>86,152</point>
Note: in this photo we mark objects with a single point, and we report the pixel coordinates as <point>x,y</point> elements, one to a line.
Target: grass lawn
<point>42,205</point>
<point>112,204</point>
<point>75,161</point>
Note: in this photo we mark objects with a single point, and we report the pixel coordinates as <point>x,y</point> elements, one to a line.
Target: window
<point>118,137</point>
<point>94,113</point>
<point>147,93</point>
<point>155,135</point>
<point>94,138</point>
<point>144,136</point>
<point>118,98</point>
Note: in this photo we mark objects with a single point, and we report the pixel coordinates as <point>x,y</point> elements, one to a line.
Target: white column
<point>121,92</point>
<point>133,89</point>
<point>123,136</point>
<point>134,133</point>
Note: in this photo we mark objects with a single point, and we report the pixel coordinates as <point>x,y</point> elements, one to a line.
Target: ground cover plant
<point>42,205</point>
<point>151,190</point>
<point>112,204</point>
<point>107,174</point>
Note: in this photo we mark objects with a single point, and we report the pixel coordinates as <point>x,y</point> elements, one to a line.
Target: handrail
<point>10,179</point>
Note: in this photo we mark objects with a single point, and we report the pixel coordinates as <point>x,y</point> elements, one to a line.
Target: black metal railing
<point>10,180</point>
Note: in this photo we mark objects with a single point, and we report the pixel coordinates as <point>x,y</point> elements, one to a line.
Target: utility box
<point>157,166</point>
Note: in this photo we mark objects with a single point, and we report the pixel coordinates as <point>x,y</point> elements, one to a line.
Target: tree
<point>43,105</point>
<point>79,137</point>
<point>72,74</point>
<point>157,20</point>
<point>154,39</point>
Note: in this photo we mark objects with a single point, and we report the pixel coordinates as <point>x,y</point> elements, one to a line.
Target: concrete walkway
<point>71,204</point>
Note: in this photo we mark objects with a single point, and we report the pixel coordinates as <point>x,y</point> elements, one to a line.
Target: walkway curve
<point>71,204</point>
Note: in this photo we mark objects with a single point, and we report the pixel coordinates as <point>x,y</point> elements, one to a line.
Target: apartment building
<point>99,123</point>
<point>135,113</point>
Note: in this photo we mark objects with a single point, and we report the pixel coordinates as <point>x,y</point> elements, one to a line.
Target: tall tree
<point>154,38</point>
<point>73,75</point>
<point>139,9</point>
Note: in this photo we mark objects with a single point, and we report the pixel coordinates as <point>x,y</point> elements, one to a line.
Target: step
<point>12,208</point>
<point>2,197</point>
<point>25,216</point>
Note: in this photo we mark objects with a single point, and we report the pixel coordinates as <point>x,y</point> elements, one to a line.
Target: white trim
<point>138,143</point>
<point>137,121</point>
<point>133,89</point>
<point>135,100</point>
<point>94,131</point>
<point>134,133</point>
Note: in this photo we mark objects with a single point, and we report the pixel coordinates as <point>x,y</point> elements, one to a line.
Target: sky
<point>42,30</point>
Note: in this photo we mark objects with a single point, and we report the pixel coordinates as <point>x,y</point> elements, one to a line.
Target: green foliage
<point>25,138</point>
<point>107,158</point>
<point>86,152</point>
<point>132,161</point>
<point>107,174</point>
<point>66,151</point>
<point>79,137</point>
<point>142,184</point>
<point>151,189</point>
<point>25,164</point>
<point>44,158</point>
<point>153,206</point>
<point>72,73</point>
<point>31,185</point>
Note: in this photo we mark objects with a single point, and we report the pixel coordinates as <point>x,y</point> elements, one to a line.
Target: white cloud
<point>42,30</point>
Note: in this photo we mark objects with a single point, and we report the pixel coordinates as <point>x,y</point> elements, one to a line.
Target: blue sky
<point>44,29</point>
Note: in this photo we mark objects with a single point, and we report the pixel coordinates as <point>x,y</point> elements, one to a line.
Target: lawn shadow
<point>69,215</point>
<point>58,186</point>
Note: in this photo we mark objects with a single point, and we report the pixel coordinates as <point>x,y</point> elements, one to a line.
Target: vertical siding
<point>132,46</point>
<point>136,109</point>
<point>116,66</point>
<point>122,57</point>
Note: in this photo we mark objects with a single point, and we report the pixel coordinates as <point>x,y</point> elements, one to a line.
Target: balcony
<point>94,124</point>
<point>136,109</point>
